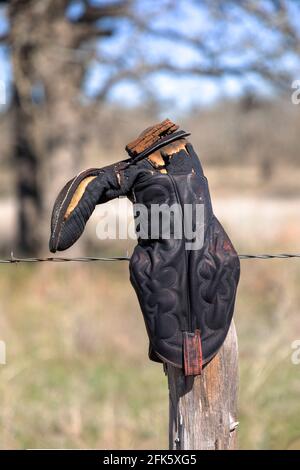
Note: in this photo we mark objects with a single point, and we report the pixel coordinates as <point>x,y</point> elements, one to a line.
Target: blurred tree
<point>56,44</point>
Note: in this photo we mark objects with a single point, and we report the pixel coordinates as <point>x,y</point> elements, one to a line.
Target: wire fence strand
<point>85,259</point>
<point>270,256</point>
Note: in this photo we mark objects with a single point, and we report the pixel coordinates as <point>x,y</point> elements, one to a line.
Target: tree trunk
<point>48,115</point>
<point>203,409</point>
<point>28,183</point>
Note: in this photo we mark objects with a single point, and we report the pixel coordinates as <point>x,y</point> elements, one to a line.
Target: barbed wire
<point>84,259</point>
<point>60,259</point>
<point>269,256</point>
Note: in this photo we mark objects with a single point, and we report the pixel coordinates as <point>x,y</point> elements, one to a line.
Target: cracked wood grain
<point>203,409</point>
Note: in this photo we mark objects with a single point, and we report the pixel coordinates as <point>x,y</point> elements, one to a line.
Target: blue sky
<point>180,91</point>
<point>5,66</point>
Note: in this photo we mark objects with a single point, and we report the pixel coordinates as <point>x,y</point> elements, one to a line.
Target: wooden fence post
<point>203,409</point>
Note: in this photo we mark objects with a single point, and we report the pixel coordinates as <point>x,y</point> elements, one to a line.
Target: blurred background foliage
<point>80,79</point>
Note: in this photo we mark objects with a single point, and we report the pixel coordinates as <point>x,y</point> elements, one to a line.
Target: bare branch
<point>94,13</point>
<point>83,33</point>
<point>4,38</point>
<point>140,71</point>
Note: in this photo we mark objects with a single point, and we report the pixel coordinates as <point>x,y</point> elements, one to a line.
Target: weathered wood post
<point>203,409</point>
